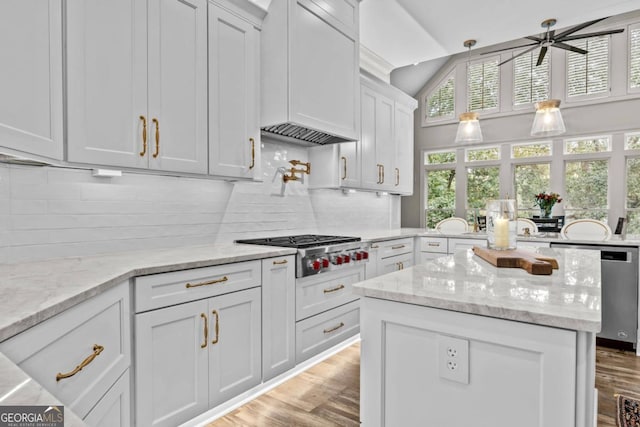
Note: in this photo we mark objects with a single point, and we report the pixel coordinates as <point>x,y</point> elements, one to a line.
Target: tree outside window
<point>529,180</point>
<point>483,184</point>
<point>441,195</point>
<point>586,186</point>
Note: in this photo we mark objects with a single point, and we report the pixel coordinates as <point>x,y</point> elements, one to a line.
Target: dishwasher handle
<point>614,256</point>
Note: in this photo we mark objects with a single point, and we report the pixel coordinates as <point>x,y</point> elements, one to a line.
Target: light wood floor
<point>328,394</point>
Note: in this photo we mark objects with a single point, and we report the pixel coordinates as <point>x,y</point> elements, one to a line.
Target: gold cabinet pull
<point>397,177</point>
<point>344,167</point>
<point>337,288</point>
<point>209,282</point>
<point>401,265</point>
<point>253,153</point>
<point>284,261</point>
<point>379,173</point>
<point>335,328</point>
<point>144,136</point>
<point>397,247</point>
<point>97,349</point>
<point>206,330</point>
<point>374,246</point>
<point>434,244</point>
<point>217,328</point>
<point>382,181</point>
<point>157,123</point>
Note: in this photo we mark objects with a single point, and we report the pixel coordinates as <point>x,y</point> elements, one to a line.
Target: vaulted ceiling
<point>408,32</point>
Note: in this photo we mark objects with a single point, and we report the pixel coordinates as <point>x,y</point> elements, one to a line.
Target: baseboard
<point>232,404</point>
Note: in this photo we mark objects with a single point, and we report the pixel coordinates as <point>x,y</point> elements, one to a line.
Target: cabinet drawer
<point>396,263</point>
<point>393,247</point>
<point>95,333</point>
<point>319,333</point>
<point>433,244</point>
<point>162,290</point>
<point>323,292</point>
<point>456,244</point>
<point>113,410</point>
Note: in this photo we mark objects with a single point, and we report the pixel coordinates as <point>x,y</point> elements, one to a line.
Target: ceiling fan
<point>551,39</point>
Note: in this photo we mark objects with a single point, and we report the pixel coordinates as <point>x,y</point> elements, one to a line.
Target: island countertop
<point>569,298</point>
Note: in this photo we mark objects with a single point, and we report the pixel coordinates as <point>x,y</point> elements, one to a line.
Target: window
<point>441,195</point>
<point>632,141</point>
<point>633,195</point>
<point>440,103</point>
<point>588,74</point>
<point>523,151</point>
<point>587,145</point>
<point>483,81</point>
<point>440,186</point>
<point>634,57</point>
<point>529,180</point>
<point>483,183</point>
<point>530,82</point>
<point>479,154</point>
<point>586,189</point>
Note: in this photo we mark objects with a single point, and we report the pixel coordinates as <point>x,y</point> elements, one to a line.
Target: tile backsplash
<point>48,212</point>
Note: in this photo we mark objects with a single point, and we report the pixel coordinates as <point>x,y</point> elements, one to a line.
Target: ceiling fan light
<point>548,119</point>
<point>469,128</point>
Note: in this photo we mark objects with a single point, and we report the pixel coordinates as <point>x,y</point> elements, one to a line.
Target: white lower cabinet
<point>516,373</point>
<point>456,244</point>
<point>193,356</point>
<point>114,407</point>
<point>389,256</point>
<point>278,316</point>
<point>81,353</point>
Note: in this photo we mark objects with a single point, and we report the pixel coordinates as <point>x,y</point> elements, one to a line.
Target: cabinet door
<point>31,76</point>
<point>349,164</point>
<point>403,170</point>
<point>106,81</point>
<point>378,140</point>
<point>234,133</point>
<point>113,410</point>
<point>278,316</point>
<point>324,66</point>
<point>234,344</point>
<point>171,364</point>
<point>177,120</point>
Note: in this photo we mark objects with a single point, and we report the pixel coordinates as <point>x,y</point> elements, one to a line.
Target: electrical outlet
<point>453,359</point>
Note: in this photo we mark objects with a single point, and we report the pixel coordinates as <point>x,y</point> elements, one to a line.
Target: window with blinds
<point>588,74</point>
<point>483,82</point>
<point>530,82</point>
<point>440,103</point>
<point>634,57</point>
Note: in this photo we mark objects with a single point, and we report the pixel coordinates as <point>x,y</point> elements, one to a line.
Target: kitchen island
<point>457,342</point>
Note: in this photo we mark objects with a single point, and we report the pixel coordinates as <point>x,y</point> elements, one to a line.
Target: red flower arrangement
<point>546,202</point>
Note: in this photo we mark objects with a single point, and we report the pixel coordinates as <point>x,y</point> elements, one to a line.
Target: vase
<point>502,224</point>
<point>545,211</point>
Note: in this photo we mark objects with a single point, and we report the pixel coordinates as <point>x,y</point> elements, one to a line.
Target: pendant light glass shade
<point>469,128</point>
<point>548,120</point>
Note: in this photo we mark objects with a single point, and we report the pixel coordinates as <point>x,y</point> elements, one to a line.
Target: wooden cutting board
<point>516,258</point>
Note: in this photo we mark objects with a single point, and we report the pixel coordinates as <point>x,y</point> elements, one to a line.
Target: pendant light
<point>548,120</point>
<point>469,126</point>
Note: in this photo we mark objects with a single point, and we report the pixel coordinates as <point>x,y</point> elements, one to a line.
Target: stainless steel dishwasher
<point>619,302</point>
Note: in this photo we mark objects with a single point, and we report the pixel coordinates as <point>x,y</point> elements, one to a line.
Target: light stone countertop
<point>35,291</point>
<point>569,298</point>
<point>398,233</point>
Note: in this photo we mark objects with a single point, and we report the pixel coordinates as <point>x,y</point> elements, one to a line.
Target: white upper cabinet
<point>234,79</point>
<point>403,171</point>
<point>137,84</point>
<point>338,165</point>
<point>310,65</point>
<point>386,161</point>
<point>31,76</point>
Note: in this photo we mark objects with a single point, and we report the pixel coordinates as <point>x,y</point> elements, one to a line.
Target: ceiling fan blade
<point>578,28</point>
<point>569,47</point>
<point>534,38</point>
<point>543,52</point>
<point>520,54</point>
<point>508,48</point>
<point>584,36</point>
